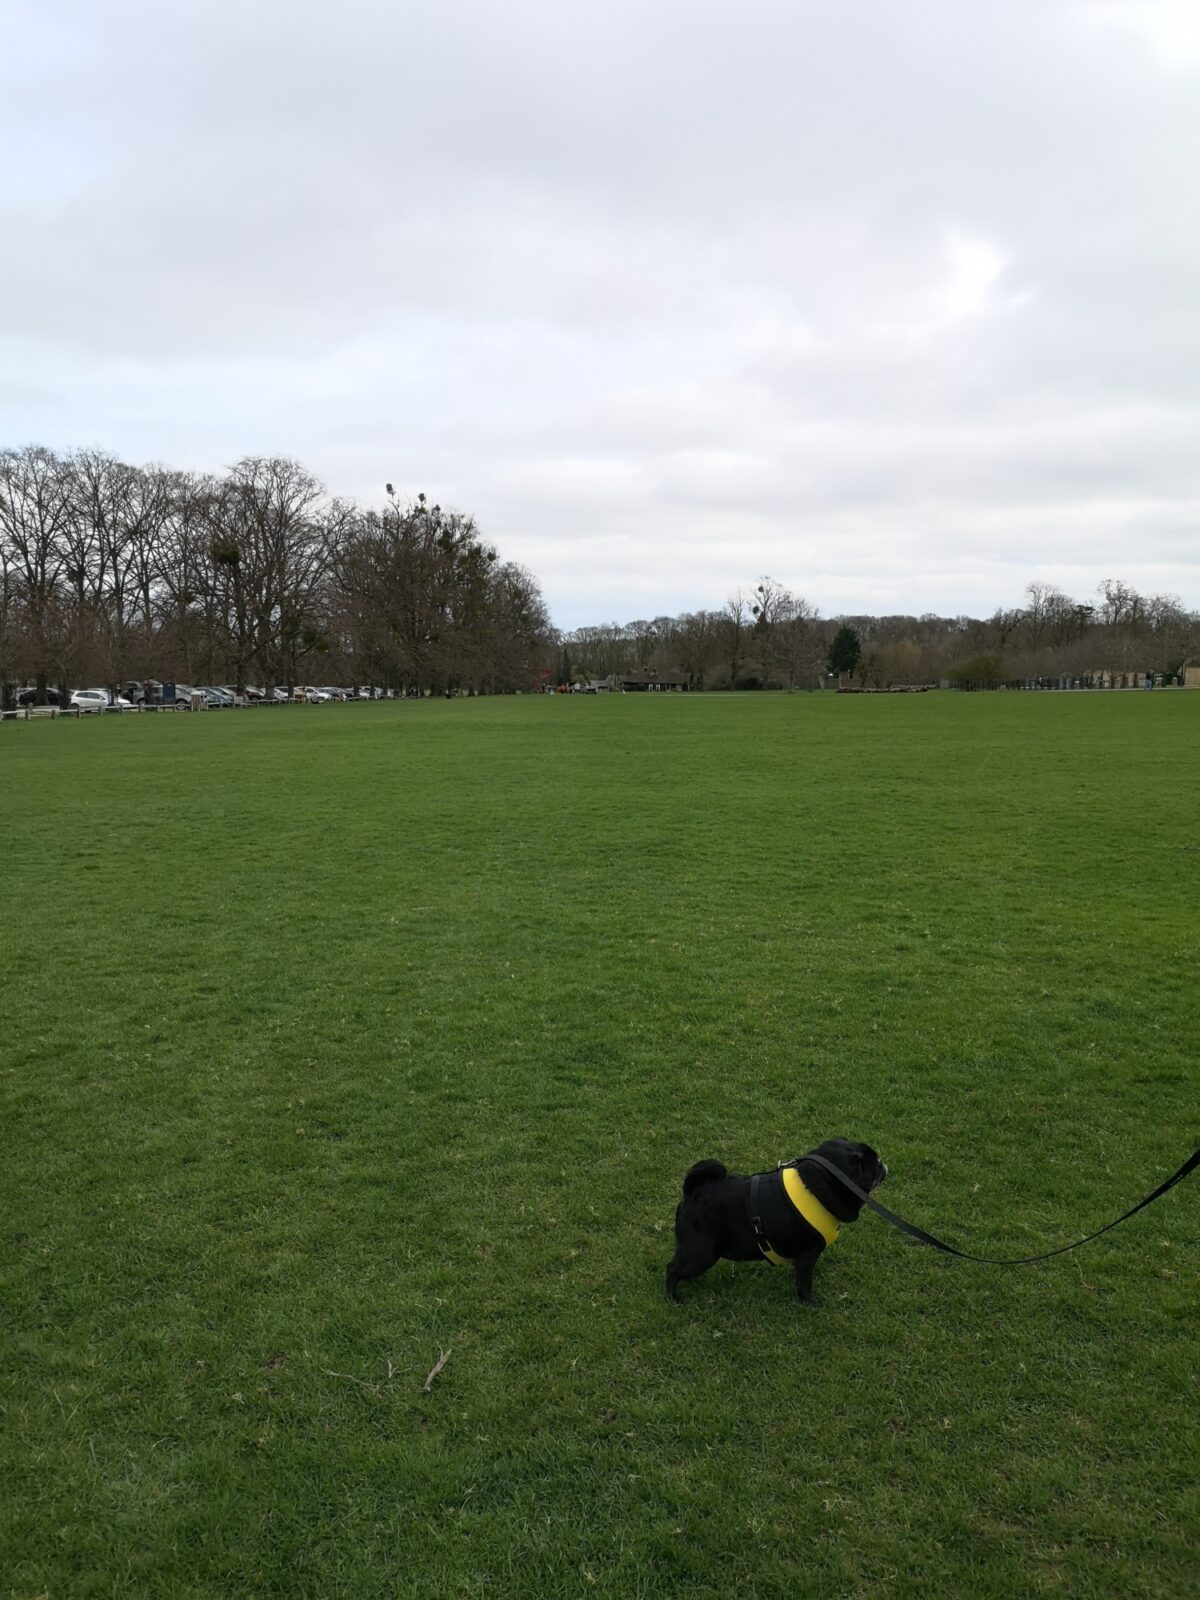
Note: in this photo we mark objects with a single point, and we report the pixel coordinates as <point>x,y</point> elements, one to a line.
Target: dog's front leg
<point>802,1270</point>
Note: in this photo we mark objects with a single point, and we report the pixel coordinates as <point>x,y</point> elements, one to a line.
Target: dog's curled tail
<point>703,1172</point>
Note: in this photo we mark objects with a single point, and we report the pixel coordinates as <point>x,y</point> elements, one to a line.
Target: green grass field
<point>336,1037</point>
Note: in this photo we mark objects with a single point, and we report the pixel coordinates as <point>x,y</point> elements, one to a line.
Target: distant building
<point>1190,677</point>
<point>652,680</point>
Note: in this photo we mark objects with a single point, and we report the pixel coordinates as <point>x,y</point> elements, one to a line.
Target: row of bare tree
<point>111,573</point>
<point>765,637</point>
<point>769,637</point>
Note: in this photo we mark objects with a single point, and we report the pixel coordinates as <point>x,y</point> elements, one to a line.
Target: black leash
<point>911,1229</point>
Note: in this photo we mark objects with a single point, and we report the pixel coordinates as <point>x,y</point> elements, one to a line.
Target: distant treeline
<point>767,637</point>
<point>111,573</point>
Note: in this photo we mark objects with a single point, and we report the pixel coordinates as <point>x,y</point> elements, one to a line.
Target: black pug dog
<point>789,1215</point>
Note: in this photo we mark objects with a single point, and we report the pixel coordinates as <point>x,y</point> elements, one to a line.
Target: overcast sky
<point>898,302</point>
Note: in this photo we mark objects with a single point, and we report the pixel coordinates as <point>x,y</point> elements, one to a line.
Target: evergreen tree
<point>845,651</point>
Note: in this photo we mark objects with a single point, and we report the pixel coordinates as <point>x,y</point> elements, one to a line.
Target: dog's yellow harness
<point>809,1207</point>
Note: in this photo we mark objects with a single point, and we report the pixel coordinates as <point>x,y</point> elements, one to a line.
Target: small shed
<point>1190,676</point>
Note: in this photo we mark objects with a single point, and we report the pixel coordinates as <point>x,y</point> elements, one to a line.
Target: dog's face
<point>857,1161</point>
<point>860,1163</point>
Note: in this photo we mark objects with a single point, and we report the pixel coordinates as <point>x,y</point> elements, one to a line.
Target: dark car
<point>148,693</point>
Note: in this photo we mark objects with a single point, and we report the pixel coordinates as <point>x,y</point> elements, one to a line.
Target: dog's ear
<point>858,1161</point>
<point>872,1166</point>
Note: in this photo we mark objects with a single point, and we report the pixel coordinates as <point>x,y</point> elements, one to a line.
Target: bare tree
<point>734,617</point>
<point>1005,624</point>
<point>150,511</point>
<point>186,599</point>
<point>266,548</point>
<point>33,517</point>
<point>1035,612</point>
<point>798,649</point>
<point>698,641</point>
<point>1120,604</point>
<point>768,605</point>
<point>644,638</point>
<point>9,643</point>
<point>520,632</point>
<point>420,578</point>
<point>601,650</point>
<point>102,538</point>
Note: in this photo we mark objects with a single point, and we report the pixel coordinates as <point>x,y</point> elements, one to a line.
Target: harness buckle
<point>763,1243</point>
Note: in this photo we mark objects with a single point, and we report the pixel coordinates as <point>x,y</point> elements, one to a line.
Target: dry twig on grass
<point>371,1388</point>
<point>441,1362</point>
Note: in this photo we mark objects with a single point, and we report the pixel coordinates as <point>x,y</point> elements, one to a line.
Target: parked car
<point>315,697</point>
<point>28,696</point>
<point>183,696</point>
<point>144,694</point>
<point>151,694</point>
<point>218,699</point>
<point>280,696</point>
<point>90,700</point>
<point>254,694</point>
<point>118,702</point>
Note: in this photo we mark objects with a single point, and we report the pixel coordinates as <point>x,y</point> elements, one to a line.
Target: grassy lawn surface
<point>335,1037</point>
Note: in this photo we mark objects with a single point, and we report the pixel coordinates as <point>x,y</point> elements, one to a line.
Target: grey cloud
<point>683,290</point>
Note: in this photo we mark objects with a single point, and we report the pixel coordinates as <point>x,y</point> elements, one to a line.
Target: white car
<point>89,700</point>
